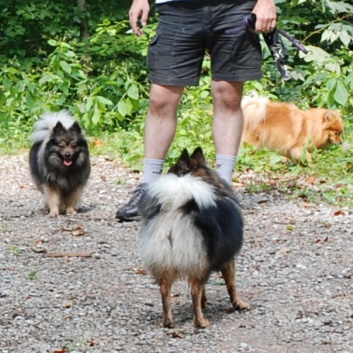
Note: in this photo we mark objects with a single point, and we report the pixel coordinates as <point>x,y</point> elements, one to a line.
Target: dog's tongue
<point>67,163</point>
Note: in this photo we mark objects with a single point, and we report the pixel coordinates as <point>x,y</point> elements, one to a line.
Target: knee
<point>164,99</point>
<point>227,94</point>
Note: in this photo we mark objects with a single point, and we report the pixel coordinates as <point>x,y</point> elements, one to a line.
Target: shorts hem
<point>238,78</point>
<point>167,81</point>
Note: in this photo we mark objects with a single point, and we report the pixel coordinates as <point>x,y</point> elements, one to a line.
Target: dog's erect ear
<point>58,128</point>
<point>182,166</point>
<point>184,160</point>
<point>328,115</point>
<point>198,156</point>
<point>76,127</point>
<point>331,114</point>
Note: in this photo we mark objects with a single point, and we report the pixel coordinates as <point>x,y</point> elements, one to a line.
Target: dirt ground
<point>75,283</point>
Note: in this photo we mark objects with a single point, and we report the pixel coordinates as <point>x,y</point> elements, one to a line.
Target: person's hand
<point>265,11</point>
<point>138,14</point>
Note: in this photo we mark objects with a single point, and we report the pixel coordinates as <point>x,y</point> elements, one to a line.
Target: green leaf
<point>2,98</point>
<point>52,42</point>
<point>66,67</point>
<point>341,94</point>
<point>88,104</point>
<point>70,54</point>
<point>122,108</point>
<point>104,100</point>
<point>133,92</point>
<point>345,38</point>
<point>96,116</point>
<point>44,79</point>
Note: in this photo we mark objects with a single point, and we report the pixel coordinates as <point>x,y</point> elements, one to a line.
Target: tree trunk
<point>84,30</point>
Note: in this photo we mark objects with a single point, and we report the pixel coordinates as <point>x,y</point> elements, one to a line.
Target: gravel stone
<point>295,269</point>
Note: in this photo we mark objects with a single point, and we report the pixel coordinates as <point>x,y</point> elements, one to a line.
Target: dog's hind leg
<point>228,273</point>
<point>165,287</point>
<point>203,298</point>
<point>198,296</point>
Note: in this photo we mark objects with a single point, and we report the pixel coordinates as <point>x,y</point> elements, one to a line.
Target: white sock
<point>152,169</point>
<point>225,166</point>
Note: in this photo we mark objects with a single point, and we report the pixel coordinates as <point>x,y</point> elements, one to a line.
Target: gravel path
<point>295,269</point>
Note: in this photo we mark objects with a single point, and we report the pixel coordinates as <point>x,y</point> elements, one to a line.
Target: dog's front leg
<point>71,200</point>
<point>198,296</point>
<point>53,200</point>
<point>165,287</point>
<point>228,273</point>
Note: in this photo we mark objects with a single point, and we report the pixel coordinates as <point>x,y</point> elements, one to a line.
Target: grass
<point>328,178</point>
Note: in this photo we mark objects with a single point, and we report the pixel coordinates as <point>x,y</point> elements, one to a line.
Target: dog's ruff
<point>44,126</point>
<point>171,245</point>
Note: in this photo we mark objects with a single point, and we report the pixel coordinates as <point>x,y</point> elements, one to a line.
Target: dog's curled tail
<point>254,110</point>
<point>46,123</point>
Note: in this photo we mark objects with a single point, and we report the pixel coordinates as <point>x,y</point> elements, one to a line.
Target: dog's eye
<point>61,145</point>
<point>73,145</point>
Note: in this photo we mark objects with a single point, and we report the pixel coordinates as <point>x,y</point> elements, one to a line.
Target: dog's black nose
<point>67,155</point>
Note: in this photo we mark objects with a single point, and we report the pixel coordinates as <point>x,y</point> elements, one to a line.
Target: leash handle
<point>276,45</point>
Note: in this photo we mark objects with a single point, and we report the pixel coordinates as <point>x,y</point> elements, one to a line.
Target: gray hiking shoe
<point>129,212</point>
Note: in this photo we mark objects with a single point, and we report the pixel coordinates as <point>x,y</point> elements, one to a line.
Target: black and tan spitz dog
<point>59,161</point>
<point>191,225</point>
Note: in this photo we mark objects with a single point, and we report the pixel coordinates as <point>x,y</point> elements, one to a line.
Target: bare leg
<point>165,289</point>
<point>228,273</point>
<point>196,294</point>
<point>161,120</point>
<point>228,116</point>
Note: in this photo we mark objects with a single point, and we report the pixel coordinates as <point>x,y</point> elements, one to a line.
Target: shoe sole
<point>128,219</point>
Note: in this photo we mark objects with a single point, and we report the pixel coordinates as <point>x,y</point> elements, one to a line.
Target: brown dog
<point>286,128</point>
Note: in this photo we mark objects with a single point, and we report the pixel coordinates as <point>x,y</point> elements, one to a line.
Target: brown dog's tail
<point>254,110</point>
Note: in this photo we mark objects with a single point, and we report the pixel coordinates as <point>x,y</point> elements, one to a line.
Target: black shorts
<point>187,29</point>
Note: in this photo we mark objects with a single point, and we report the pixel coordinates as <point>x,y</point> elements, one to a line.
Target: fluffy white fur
<point>184,189</point>
<point>47,121</point>
<point>167,242</point>
<point>256,111</point>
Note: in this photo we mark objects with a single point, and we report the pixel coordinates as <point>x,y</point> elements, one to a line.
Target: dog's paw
<point>70,211</point>
<point>168,323</point>
<point>201,323</point>
<point>54,213</point>
<point>241,305</point>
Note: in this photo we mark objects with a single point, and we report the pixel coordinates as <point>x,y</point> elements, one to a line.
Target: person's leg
<point>235,58</point>
<point>160,129</point>
<point>161,120</point>
<point>174,59</point>
<point>227,125</point>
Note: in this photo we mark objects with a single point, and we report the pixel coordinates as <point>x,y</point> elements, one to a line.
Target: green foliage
<point>70,79</point>
<point>25,27</point>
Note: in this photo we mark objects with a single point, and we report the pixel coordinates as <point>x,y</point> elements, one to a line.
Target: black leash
<point>276,46</point>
